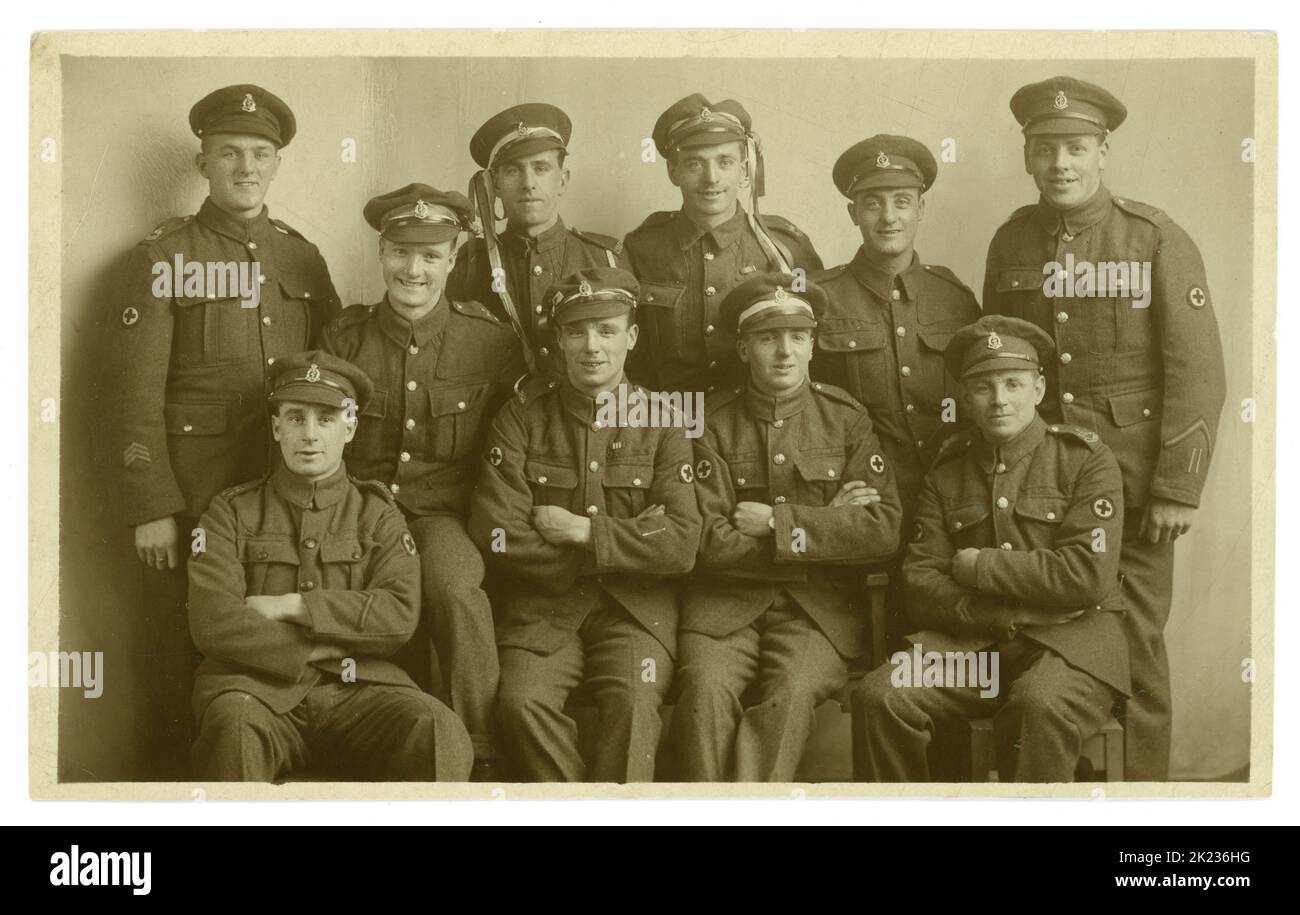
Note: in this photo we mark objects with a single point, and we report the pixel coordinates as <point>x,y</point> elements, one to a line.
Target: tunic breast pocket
<point>659,309</point>
<point>552,483</point>
<point>1021,295</point>
<point>627,487</point>
<point>344,561</point>
<point>866,362</point>
<point>934,376</point>
<point>967,523</point>
<point>294,325</point>
<point>212,331</point>
<point>270,565</point>
<point>1039,517</point>
<point>821,473</point>
<point>455,414</point>
<point>749,478</point>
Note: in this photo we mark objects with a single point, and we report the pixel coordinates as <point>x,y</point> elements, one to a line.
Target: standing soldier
<point>190,370</point>
<point>441,369</point>
<point>305,585</point>
<point>796,494</point>
<point>1015,554</point>
<point>689,259</point>
<point>590,518</point>
<point>1139,361</point>
<point>521,152</point>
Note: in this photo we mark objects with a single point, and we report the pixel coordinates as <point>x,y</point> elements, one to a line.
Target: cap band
<point>789,305</point>
<point>884,164</point>
<point>706,120</point>
<point>599,295</point>
<point>522,132</point>
<point>420,213</point>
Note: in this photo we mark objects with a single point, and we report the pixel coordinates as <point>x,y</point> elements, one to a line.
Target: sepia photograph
<point>434,414</point>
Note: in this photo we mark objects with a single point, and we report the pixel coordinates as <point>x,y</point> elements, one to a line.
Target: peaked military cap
<point>523,130</point>
<point>695,121</point>
<point>997,343</point>
<point>244,109</point>
<point>418,213</point>
<point>321,378</point>
<point>768,301</point>
<point>1065,105</point>
<point>592,292</point>
<point>884,161</point>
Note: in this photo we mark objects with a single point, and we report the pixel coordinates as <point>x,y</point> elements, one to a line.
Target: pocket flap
<point>748,474</point>
<point>342,549</point>
<point>266,551</point>
<point>661,295</point>
<point>449,401</point>
<point>377,405</point>
<point>188,301</point>
<point>821,468</point>
<point>937,340</point>
<point>964,516</point>
<point>1042,508</point>
<point>554,475</point>
<point>1022,279</point>
<point>848,341</point>
<point>1134,407</point>
<point>195,418</point>
<point>297,286</point>
<point>629,474</point>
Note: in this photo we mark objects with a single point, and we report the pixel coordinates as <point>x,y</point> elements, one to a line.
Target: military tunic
<point>187,376</point>
<point>438,382</point>
<point>1148,379</point>
<point>532,266</point>
<point>343,545</point>
<point>575,615</point>
<point>685,272</point>
<point>778,613</point>
<point>1046,512</point>
<point>882,340</point>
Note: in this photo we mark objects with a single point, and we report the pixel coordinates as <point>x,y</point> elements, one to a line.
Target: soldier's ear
<point>201,163</point>
<point>671,164</point>
<point>275,423</point>
<point>920,206</point>
<point>350,429</point>
<point>632,331</point>
<point>1103,147</point>
<point>1040,388</point>
<point>1029,168</point>
<point>742,350</point>
<point>853,211</point>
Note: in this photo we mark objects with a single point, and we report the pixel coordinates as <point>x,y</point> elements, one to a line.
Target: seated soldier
<point>1016,551</point>
<point>302,586</point>
<point>589,519</point>
<point>795,493</point>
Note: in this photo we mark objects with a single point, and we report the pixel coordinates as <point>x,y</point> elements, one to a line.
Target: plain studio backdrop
<point>128,163</point>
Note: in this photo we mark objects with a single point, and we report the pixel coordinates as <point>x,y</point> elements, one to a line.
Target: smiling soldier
<point>309,584</point>
<point>689,259</point>
<point>441,369</point>
<point>1141,367</point>
<point>589,525</point>
<point>522,152</point>
<point>189,370</point>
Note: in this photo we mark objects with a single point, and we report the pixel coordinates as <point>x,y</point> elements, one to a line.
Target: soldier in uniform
<point>189,370</point>
<point>441,369</point>
<point>1138,360</point>
<point>303,586</point>
<point>768,620</point>
<point>1015,551</point>
<point>889,317</point>
<point>689,259</point>
<point>591,516</point>
<point>521,152</point>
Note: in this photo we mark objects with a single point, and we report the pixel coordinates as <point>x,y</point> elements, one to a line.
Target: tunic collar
<point>1072,222</point>
<point>769,409</point>
<point>241,230</point>
<point>583,406</point>
<point>553,237</point>
<point>422,332</point>
<point>688,233</point>
<point>883,283</point>
<point>304,493</point>
<point>1011,453</point>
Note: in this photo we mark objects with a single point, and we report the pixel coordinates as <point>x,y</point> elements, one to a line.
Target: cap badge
<point>882,160</point>
<point>1060,103</point>
<point>421,209</point>
<point>995,342</point>
<point>522,129</point>
<point>584,288</point>
<point>706,114</point>
<point>249,104</point>
<point>313,373</point>
<point>778,294</point>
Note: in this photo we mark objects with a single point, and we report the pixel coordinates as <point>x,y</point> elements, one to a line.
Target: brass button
<point>740,481</point>
<point>650,297</point>
<point>310,543</point>
<point>636,481</point>
<point>261,554</point>
<point>709,290</point>
<point>1065,358</point>
<point>270,361</point>
<point>1067,237</point>
<point>405,457</point>
<point>394,487</point>
<point>541,478</point>
<point>920,443</point>
<point>1001,468</point>
<point>830,472</point>
<point>895,295</point>
<point>594,466</point>
<point>713,364</point>
<point>188,428</point>
<point>1062,317</point>
<point>537,308</point>
<point>905,371</point>
<point>252,246</point>
<point>306,585</point>
<point>1002,502</point>
<point>1051,516</point>
<point>544,352</point>
<point>1015,282</point>
<point>413,350</point>
<point>708,255</point>
<point>1006,546</point>
<point>1067,397</point>
<point>537,270</point>
<point>266,320</point>
<point>708,331</point>
<point>356,554</point>
<point>1146,411</point>
<point>901,331</point>
<point>778,459</point>
<point>778,424</point>
<point>956,525</point>
<point>592,510</point>
<point>261,278</point>
<point>779,500</point>
<point>410,424</point>
<point>460,405</point>
<point>597,426</point>
<point>910,408</point>
<point>410,386</point>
